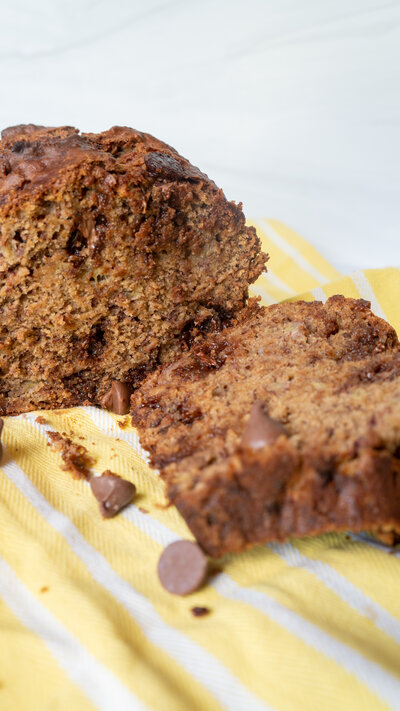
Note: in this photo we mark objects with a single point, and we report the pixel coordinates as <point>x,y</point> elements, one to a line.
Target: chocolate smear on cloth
<point>112,492</point>
<point>182,567</point>
<point>261,429</point>
<point>75,456</point>
<point>1,430</point>
<point>200,611</point>
<point>117,399</point>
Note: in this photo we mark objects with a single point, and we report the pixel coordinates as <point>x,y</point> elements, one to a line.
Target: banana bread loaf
<point>114,252</point>
<point>285,424</point>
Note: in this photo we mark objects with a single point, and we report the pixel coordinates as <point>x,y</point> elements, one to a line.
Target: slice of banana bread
<point>285,424</point>
<point>114,252</point>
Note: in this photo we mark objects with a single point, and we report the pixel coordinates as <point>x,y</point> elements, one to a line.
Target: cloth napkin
<point>313,624</point>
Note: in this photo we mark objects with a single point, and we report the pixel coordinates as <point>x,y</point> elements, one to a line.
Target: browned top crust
<point>326,381</point>
<point>33,158</point>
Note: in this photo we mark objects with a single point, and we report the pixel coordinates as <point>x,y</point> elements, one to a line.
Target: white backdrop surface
<point>292,106</point>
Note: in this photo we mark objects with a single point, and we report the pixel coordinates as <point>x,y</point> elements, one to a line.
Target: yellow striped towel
<point>312,625</point>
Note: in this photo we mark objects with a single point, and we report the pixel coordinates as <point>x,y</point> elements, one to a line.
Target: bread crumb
<point>200,611</point>
<point>75,456</point>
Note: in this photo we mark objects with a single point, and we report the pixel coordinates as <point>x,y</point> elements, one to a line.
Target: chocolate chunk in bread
<point>115,253</point>
<point>296,428</point>
<point>117,398</point>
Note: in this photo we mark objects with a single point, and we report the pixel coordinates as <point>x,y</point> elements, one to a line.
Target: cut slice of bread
<point>285,424</point>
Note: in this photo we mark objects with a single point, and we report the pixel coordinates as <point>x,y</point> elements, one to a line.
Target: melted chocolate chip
<point>261,429</point>
<point>182,568</point>
<point>112,493</point>
<point>162,165</point>
<point>19,146</point>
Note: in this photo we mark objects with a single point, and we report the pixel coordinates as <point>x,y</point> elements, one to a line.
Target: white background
<point>292,106</point>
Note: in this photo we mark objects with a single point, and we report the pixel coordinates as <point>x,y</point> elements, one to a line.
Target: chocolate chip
<point>163,165</point>
<point>107,401</point>
<point>117,398</point>
<point>200,611</point>
<point>112,493</point>
<point>121,395</point>
<point>261,429</point>
<point>1,430</point>
<point>182,567</point>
